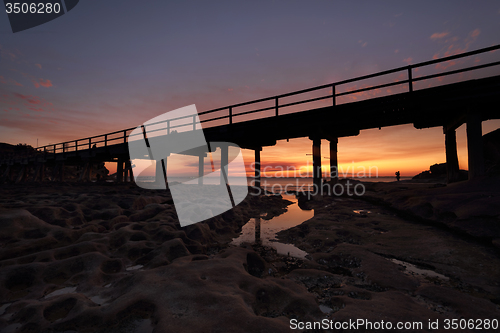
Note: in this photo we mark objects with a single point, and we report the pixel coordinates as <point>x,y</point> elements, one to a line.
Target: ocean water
<point>279,184</point>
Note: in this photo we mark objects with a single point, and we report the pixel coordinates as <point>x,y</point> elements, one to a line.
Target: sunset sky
<point>114,64</point>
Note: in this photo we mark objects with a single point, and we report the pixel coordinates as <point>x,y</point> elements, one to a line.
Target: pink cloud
<point>9,81</point>
<point>41,82</point>
<point>28,98</point>
<point>456,46</point>
<point>408,60</point>
<point>45,83</point>
<point>439,35</point>
<point>38,65</point>
<point>38,82</point>
<point>475,33</point>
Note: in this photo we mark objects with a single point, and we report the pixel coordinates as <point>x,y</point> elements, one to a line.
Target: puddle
<point>325,309</point>
<point>98,299</point>
<point>65,290</point>
<point>414,270</point>
<point>362,212</point>
<point>133,268</point>
<point>261,231</point>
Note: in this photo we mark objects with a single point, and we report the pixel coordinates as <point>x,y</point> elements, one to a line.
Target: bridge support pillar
<point>89,172</point>
<point>317,163</point>
<point>42,172</point>
<point>36,173</point>
<point>130,174</point>
<point>475,146</point>
<point>6,174</point>
<point>224,152</point>
<point>125,172</point>
<point>54,172</point>
<point>334,164</point>
<point>22,175</point>
<point>39,172</point>
<point>257,168</point>
<point>58,172</point>
<point>161,172</point>
<point>119,171</point>
<point>201,169</point>
<point>84,172</point>
<point>452,167</point>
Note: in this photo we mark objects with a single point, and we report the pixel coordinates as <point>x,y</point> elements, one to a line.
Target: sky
<point>114,64</point>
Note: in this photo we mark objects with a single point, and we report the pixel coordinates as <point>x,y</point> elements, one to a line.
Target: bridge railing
<point>230,115</point>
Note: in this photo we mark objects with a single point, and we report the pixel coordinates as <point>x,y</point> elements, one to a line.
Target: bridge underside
<point>448,106</point>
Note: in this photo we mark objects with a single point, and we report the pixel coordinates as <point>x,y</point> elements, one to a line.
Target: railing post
<point>194,122</point>
<point>168,126</point>
<point>230,115</point>
<point>410,83</point>
<point>105,140</point>
<point>90,143</point>
<point>334,98</point>
<point>276,105</point>
<point>54,149</point>
<point>76,145</point>
<point>64,147</point>
<point>124,136</point>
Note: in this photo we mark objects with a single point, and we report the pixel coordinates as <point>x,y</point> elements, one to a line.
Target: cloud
<point>37,82</point>
<point>28,98</point>
<point>8,54</point>
<point>408,60</point>
<point>439,35</point>
<point>45,83</point>
<point>41,83</point>
<point>475,33</point>
<point>9,81</point>
<point>455,46</point>
<point>38,65</point>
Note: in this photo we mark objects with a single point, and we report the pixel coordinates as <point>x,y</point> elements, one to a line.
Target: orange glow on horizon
<point>372,153</point>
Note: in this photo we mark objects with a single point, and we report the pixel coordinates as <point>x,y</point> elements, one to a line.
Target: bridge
<point>340,109</point>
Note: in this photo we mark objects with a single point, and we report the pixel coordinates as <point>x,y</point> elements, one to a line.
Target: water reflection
<point>263,232</point>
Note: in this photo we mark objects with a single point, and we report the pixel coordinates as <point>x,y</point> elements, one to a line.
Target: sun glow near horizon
<point>373,153</point>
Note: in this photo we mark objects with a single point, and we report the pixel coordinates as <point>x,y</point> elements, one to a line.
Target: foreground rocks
<point>99,258</point>
<point>92,258</point>
<point>392,256</point>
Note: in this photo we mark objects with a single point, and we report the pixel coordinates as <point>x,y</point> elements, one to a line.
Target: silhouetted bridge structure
<point>323,117</point>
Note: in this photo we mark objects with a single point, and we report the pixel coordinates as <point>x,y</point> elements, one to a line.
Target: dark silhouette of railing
<point>121,136</point>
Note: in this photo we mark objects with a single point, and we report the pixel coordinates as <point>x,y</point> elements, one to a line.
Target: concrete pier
<point>316,151</point>
<point>119,171</point>
<point>224,151</point>
<point>475,145</point>
<point>334,163</point>
<point>452,167</point>
<point>201,169</point>
<point>257,167</point>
